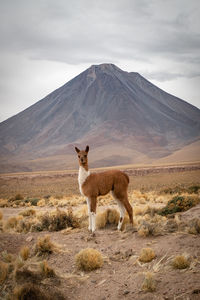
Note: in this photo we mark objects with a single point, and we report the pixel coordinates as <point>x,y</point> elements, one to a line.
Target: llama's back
<point>104,182</point>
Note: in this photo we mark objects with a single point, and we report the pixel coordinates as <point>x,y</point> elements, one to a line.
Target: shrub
<point>59,220</point>
<point>29,291</point>
<point>180,262</point>
<point>12,222</point>
<point>101,219</point>
<point>112,216</point>
<point>46,270</point>
<point>25,225</point>
<point>148,284</point>
<point>89,259</point>
<point>41,203</point>
<point>146,255</point>
<point>194,189</point>
<point>44,246</point>
<point>194,226</point>
<point>146,228</point>
<point>7,257</point>
<point>28,213</point>
<point>24,252</point>
<point>3,271</point>
<point>18,197</point>
<point>108,217</point>
<point>178,204</point>
<point>32,201</point>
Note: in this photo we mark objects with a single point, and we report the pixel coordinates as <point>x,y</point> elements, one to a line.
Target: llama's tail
<point>127,177</point>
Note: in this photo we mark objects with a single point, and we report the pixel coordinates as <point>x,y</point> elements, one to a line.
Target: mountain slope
<point>104,107</point>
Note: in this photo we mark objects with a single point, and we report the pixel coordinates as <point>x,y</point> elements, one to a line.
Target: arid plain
<point>44,224</point>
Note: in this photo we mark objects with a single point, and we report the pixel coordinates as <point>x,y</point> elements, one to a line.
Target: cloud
<point>38,38</point>
<point>77,31</point>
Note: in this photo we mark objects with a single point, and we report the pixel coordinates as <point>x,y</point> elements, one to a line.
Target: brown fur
<point>97,184</point>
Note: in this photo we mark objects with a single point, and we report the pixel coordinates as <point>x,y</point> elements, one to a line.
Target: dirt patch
<point>122,274</point>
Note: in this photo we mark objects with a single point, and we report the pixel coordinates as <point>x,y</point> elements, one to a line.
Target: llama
<point>99,184</point>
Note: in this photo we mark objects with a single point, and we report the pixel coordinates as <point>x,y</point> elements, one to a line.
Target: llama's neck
<point>82,175</point>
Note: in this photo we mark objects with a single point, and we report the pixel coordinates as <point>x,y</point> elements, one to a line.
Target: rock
<point>29,238</point>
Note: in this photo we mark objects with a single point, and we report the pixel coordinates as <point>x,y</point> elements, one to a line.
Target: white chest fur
<point>82,175</point>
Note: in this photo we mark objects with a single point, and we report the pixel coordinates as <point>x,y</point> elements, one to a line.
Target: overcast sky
<point>45,43</point>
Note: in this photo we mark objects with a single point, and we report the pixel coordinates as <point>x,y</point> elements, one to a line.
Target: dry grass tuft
<point>41,203</point>
<point>181,262</point>
<point>18,264</point>
<point>45,246</point>
<point>24,252</point>
<point>12,222</point>
<point>7,257</point>
<point>59,220</point>
<point>19,197</point>
<point>194,226</point>
<point>146,255</point>
<point>25,224</point>
<point>101,219</point>
<point>28,213</point>
<point>46,270</point>
<point>29,291</point>
<point>112,216</point>
<point>89,259</point>
<point>3,203</point>
<point>146,228</point>
<point>106,217</point>
<point>3,271</point>
<point>149,284</point>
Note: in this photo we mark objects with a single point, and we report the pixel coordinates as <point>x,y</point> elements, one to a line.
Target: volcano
<point>122,116</point>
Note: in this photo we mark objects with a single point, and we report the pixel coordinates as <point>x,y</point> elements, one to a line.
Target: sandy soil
<point>122,274</point>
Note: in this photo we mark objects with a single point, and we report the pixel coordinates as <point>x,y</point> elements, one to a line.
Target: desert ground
<point>43,230</point>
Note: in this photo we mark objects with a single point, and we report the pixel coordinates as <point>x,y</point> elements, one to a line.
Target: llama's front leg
<point>89,214</point>
<point>93,202</point>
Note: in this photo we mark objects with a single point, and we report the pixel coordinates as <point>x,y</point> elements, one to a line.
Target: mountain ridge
<point>101,106</point>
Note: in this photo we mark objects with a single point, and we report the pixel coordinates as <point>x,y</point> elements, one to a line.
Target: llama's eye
<point>78,156</point>
<point>85,156</point>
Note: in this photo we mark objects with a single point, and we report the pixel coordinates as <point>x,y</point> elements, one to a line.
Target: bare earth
<point>122,274</point>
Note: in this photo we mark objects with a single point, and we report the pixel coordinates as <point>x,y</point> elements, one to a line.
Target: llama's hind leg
<point>129,209</point>
<point>121,210</point>
<point>122,213</point>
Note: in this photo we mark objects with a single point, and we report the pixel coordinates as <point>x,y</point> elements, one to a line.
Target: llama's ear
<point>87,149</point>
<point>77,150</point>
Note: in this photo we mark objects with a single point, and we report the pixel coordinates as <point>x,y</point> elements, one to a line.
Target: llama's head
<point>82,156</point>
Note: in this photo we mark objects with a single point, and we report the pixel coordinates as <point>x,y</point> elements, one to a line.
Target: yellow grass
<point>181,262</point>
<point>29,291</point>
<point>45,246</point>
<point>12,223</point>
<point>46,270</point>
<point>24,252</point>
<point>147,255</point>
<point>3,271</point>
<point>148,284</point>
<point>28,213</point>
<point>89,259</point>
